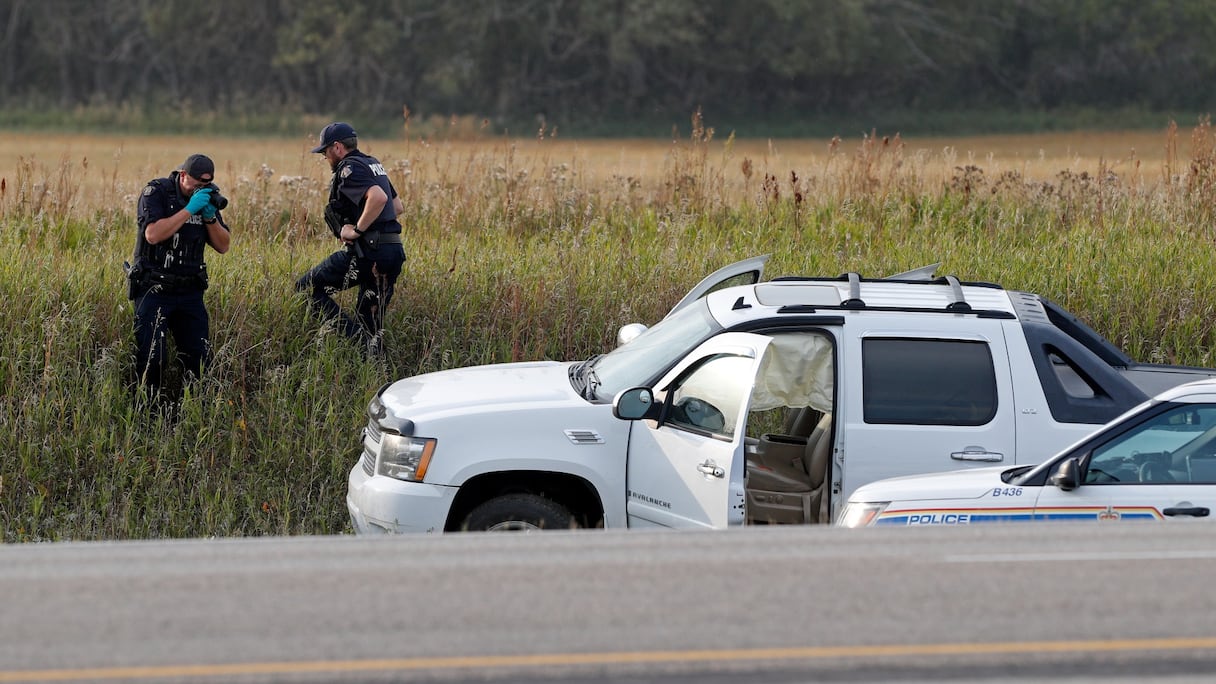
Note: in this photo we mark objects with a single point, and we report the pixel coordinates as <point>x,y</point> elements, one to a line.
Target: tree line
<point>591,61</point>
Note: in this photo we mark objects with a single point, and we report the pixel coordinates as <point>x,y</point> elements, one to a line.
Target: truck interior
<point>789,444</point>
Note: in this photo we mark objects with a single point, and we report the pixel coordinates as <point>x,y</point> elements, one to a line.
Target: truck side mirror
<point>634,404</point>
<point>1068,476</point>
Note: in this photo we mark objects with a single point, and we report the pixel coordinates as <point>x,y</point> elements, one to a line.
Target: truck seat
<point>818,458</point>
<point>801,422</point>
<point>785,478</point>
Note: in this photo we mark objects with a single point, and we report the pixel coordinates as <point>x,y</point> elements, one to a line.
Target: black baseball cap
<point>333,133</point>
<point>200,166</point>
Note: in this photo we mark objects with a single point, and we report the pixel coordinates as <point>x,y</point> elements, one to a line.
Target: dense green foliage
<point>505,267</point>
<point>760,68</point>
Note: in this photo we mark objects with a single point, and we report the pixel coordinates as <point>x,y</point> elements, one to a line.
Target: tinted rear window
<point>927,382</point>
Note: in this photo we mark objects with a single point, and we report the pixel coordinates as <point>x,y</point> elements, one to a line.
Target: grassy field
<point>517,249</point>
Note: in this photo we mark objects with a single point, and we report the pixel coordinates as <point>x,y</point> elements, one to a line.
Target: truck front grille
<point>371,447</point>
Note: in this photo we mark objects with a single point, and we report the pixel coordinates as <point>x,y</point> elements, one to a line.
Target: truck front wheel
<point>519,512</point>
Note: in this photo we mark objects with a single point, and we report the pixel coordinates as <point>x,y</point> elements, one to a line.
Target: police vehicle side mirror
<point>1067,476</point>
<point>635,404</point>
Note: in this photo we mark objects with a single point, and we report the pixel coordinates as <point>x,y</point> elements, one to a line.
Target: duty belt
<point>171,283</point>
<point>389,239</point>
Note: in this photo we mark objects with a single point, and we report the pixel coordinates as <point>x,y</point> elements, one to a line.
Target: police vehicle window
<point>927,382</point>
<point>1178,445</point>
<point>708,399</point>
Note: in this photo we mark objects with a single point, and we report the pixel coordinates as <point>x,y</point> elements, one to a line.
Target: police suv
<point>1156,462</point>
<point>749,403</point>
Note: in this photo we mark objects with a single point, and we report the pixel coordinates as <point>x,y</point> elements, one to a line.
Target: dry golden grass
<point>108,170</point>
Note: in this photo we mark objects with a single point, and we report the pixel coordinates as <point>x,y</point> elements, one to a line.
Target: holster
<point>134,277</point>
<point>333,220</point>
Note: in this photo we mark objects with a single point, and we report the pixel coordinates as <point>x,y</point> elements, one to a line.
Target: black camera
<point>217,200</point>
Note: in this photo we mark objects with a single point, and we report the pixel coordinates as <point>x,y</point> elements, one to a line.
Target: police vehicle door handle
<point>1193,511</point>
<point>710,468</point>
<point>976,453</point>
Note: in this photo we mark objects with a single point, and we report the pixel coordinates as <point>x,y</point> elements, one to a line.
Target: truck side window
<point>1073,381</point>
<point>707,399</point>
<point>927,382</point>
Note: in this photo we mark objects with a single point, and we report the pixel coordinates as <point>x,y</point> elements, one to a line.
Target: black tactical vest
<point>350,211</point>
<point>176,264</point>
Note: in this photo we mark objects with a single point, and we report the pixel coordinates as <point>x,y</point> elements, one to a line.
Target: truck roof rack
<point>959,303</point>
<point>852,297</point>
<point>854,301</point>
<point>925,275</point>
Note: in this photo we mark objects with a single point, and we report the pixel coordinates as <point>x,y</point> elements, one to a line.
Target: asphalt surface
<point>1049,602</point>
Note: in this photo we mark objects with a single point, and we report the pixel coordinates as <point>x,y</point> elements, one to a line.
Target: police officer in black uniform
<point>362,212</point>
<point>178,217</point>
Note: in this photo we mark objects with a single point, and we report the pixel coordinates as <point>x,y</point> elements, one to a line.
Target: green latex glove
<point>208,212</point>
<point>201,198</point>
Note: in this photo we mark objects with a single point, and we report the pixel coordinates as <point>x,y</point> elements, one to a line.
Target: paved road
<point>1009,603</point>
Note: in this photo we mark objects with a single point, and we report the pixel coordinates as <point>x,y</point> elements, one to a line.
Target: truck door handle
<point>1194,511</point>
<point>976,453</point>
<point>710,468</point>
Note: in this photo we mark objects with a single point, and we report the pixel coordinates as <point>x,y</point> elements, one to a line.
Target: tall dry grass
<point>518,249</point>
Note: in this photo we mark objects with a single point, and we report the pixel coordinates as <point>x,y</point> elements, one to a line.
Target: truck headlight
<point>861,514</point>
<point>404,458</point>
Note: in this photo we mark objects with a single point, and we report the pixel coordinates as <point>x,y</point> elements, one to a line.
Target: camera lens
<point>217,200</point>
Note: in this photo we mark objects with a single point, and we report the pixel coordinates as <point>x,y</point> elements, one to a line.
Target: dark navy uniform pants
<point>182,315</point>
<point>376,278</point>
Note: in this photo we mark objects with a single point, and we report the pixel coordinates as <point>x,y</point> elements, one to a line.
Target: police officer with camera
<point>361,212</point>
<point>179,216</point>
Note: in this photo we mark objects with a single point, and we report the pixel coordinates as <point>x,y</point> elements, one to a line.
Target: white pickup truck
<point>749,403</point>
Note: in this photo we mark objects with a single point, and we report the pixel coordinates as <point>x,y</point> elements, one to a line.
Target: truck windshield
<point>654,351</point>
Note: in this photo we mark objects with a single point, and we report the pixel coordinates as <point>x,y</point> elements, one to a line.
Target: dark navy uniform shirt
<point>354,176</point>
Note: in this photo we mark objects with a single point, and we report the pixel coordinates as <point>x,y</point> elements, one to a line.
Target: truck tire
<point>519,512</point>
